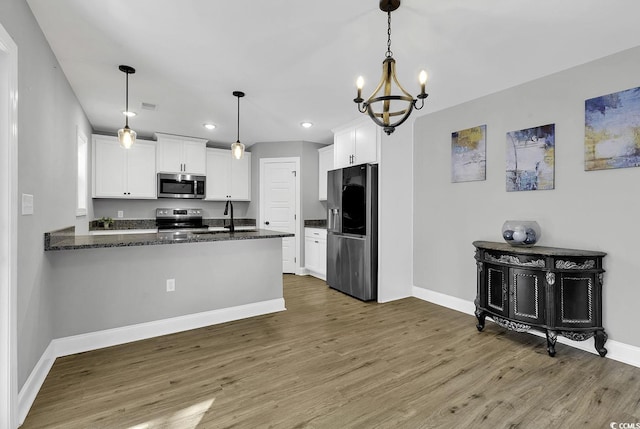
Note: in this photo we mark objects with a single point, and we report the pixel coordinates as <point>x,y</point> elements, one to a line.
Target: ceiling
<point>297,60</point>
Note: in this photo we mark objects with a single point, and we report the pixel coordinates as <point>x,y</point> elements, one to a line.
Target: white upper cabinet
<point>356,143</point>
<point>177,154</point>
<point>123,173</point>
<point>228,178</point>
<point>325,163</point>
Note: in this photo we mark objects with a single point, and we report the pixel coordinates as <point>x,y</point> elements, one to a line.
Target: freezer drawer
<point>349,266</point>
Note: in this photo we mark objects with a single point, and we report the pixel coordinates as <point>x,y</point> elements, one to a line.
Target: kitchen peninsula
<point>112,289</point>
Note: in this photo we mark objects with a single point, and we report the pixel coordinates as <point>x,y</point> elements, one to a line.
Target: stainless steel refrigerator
<point>352,231</point>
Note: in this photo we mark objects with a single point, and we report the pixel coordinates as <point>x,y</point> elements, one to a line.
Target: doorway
<point>280,205</point>
<point>8,229</point>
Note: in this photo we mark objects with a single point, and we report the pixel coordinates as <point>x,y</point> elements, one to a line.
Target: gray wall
<point>146,209</point>
<point>97,289</point>
<point>48,114</point>
<point>595,210</point>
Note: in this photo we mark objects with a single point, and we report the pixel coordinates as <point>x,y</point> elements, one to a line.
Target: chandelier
<point>382,106</point>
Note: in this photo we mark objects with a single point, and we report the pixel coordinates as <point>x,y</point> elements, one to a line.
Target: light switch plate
<point>27,204</point>
<point>120,213</point>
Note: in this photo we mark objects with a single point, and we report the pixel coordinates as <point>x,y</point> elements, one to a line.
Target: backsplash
<point>151,223</point>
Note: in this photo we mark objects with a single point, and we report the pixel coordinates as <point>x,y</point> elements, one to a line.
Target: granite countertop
<point>315,223</point>
<point>65,239</point>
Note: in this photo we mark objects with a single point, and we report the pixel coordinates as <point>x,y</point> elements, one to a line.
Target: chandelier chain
<point>389,53</point>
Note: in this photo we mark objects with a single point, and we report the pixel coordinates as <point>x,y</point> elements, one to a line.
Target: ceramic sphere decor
<point>523,233</point>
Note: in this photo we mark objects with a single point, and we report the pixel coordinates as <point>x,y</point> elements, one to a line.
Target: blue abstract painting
<point>531,159</point>
<point>612,131</point>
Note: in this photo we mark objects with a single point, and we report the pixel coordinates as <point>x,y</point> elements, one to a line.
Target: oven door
<point>180,186</point>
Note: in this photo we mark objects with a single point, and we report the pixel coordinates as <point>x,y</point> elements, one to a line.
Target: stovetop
<point>168,219</point>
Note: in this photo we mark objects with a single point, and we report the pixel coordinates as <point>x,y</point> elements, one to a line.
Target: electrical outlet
<point>171,285</point>
<point>120,213</point>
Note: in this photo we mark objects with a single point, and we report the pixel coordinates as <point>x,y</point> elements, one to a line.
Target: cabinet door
<point>527,295</point>
<point>366,143</point>
<point>576,300</point>
<point>141,170</point>
<point>343,148</point>
<point>325,163</point>
<point>311,254</point>
<point>241,177</point>
<point>194,157</point>
<point>218,174</point>
<point>169,156</point>
<point>322,258</point>
<point>108,168</point>
<point>497,287</point>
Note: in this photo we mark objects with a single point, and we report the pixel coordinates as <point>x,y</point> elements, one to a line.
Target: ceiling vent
<point>149,106</point>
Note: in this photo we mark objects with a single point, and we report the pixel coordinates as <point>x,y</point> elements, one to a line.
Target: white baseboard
<point>448,301</point>
<point>615,350</point>
<point>110,337</point>
<point>32,386</point>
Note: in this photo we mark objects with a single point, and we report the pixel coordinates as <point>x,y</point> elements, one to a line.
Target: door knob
<point>266,223</point>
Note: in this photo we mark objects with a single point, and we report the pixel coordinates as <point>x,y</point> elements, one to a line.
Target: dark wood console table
<point>556,291</point>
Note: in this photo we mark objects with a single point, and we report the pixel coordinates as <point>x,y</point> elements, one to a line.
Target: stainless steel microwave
<point>180,185</point>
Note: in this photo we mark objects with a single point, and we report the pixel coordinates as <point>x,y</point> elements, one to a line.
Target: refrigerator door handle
<point>333,214</point>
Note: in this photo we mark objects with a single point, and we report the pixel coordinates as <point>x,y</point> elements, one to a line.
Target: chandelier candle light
<point>237,148</point>
<point>126,136</point>
<point>384,117</point>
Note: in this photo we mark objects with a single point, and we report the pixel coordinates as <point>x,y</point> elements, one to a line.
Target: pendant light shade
<point>126,136</point>
<point>384,108</point>
<point>237,148</point>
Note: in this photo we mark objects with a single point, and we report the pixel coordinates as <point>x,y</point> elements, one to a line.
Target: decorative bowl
<point>521,233</point>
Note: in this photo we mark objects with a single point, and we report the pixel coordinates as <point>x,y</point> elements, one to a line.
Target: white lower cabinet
<point>123,173</point>
<point>315,252</point>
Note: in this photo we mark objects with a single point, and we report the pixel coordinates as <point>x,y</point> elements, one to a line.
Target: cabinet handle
<point>316,241</point>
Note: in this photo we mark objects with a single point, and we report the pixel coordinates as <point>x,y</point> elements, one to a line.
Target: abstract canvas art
<point>612,131</point>
<point>531,159</point>
<point>468,154</point>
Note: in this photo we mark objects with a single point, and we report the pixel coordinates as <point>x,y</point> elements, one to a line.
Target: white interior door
<point>279,205</point>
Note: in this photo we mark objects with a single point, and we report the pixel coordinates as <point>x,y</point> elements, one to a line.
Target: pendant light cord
<point>126,103</point>
<point>238,139</point>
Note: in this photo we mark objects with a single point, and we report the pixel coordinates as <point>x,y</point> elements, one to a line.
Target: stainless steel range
<point>176,223</point>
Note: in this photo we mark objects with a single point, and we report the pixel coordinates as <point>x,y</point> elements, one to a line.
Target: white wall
<point>395,214</point>
<point>596,210</point>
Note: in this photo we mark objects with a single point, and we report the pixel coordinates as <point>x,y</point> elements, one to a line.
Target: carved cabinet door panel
<point>497,293</point>
<point>577,296</point>
<point>527,295</point>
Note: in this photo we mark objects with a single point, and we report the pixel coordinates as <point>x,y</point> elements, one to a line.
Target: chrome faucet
<point>231,227</point>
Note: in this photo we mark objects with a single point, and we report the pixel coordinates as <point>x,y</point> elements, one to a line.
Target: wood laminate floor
<point>331,361</point>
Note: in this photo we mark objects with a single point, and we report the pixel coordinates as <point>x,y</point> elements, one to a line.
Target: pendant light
<point>126,136</point>
<point>237,148</point>
<point>384,116</point>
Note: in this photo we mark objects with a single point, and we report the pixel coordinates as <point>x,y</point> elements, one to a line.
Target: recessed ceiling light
<point>209,126</point>
<point>306,124</point>
<point>129,114</point>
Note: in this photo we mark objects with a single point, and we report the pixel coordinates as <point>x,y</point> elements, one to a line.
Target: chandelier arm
<point>382,81</point>
<point>395,79</point>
